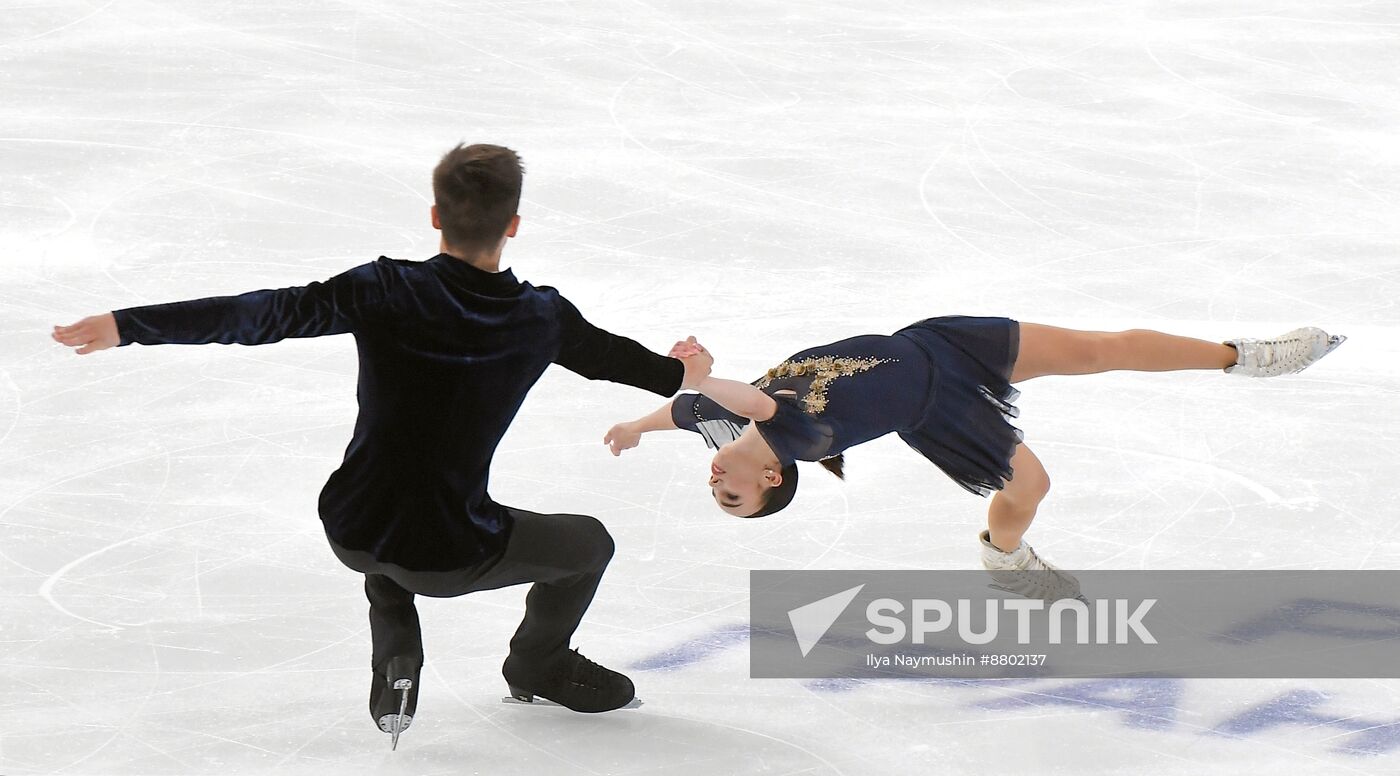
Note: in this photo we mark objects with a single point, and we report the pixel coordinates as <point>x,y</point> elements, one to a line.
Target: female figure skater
<point>943,385</point>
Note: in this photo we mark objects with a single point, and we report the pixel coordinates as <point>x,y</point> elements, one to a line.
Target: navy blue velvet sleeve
<point>703,415</point>
<point>795,435</point>
<point>334,306</point>
<point>596,354</point>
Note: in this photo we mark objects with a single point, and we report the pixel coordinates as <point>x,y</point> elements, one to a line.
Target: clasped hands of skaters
<point>698,362</point>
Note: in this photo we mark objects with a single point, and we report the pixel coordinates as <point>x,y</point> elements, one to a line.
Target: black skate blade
<point>396,723</point>
<point>403,685</point>
<point>538,701</point>
<point>386,723</point>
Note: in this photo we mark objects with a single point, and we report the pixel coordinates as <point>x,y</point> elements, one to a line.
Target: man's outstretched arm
<point>253,318</point>
<point>601,355</point>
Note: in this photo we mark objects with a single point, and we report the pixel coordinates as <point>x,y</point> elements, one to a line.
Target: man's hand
<point>697,360</point>
<point>623,436</point>
<point>99,332</point>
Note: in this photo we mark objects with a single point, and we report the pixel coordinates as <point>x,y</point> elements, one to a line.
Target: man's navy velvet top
<point>447,353</point>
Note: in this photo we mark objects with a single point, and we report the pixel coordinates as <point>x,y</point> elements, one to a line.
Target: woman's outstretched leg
<point>1050,350</point>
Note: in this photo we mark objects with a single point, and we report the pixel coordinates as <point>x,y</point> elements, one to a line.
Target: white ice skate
<point>1026,574</point>
<point>1284,354</point>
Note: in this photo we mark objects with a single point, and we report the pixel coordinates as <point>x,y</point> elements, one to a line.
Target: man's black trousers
<point>563,555</point>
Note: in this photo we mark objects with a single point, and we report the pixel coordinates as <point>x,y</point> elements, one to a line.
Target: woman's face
<point>738,481</point>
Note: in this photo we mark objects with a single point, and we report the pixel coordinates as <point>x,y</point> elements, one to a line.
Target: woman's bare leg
<point>1013,507</point>
<point>1049,350</point>
<point>1004,555</point>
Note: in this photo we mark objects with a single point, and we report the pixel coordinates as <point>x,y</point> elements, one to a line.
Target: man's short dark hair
<point>477,191</point>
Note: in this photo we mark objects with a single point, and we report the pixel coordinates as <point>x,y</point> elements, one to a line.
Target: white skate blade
<point>1080,598</point>
<point>538,701</point>
<point>1334,341</point>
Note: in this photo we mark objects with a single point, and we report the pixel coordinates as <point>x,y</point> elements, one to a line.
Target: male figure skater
<point>448,348</point>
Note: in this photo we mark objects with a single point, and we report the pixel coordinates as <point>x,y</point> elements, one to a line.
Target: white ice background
<point>767,176</point>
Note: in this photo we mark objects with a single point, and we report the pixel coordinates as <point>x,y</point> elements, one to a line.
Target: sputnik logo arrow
<point>812,621</point>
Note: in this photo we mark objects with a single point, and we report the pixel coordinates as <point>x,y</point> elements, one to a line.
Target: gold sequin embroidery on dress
<point>823,370</point>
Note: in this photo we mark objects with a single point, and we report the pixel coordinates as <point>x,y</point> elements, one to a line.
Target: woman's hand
<point>687,347</point>
<point>93,333</point>
<point>697,360</point>
<point>623,436</point>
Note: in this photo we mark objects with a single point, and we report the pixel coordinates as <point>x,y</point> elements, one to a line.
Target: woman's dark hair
<point>477,190</point>
<point>835,464</point>
<point>775,499</point>
<point>778,498</point>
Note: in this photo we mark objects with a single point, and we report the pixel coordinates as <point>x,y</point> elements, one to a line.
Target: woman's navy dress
<point>942,384</point>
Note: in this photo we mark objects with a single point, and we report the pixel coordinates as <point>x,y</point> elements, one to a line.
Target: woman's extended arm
<point>625,436</point>
<point>717,425</point>
<point>739,398</point>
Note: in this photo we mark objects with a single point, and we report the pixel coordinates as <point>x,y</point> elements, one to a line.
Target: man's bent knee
<point>596,537</point>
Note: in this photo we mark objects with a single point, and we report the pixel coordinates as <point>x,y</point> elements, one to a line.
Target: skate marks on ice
<point>653,743</point>
<point>667,737</point>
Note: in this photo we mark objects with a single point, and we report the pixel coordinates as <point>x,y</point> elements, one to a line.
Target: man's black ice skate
<point>393,696</point>
<point>574,682</point>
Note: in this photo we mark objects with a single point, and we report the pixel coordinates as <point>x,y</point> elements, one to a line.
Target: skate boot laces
<point>583,672</point>
<point>1286,354</point>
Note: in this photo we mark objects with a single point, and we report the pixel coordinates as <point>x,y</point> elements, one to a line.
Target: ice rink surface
<point>765,176</point>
